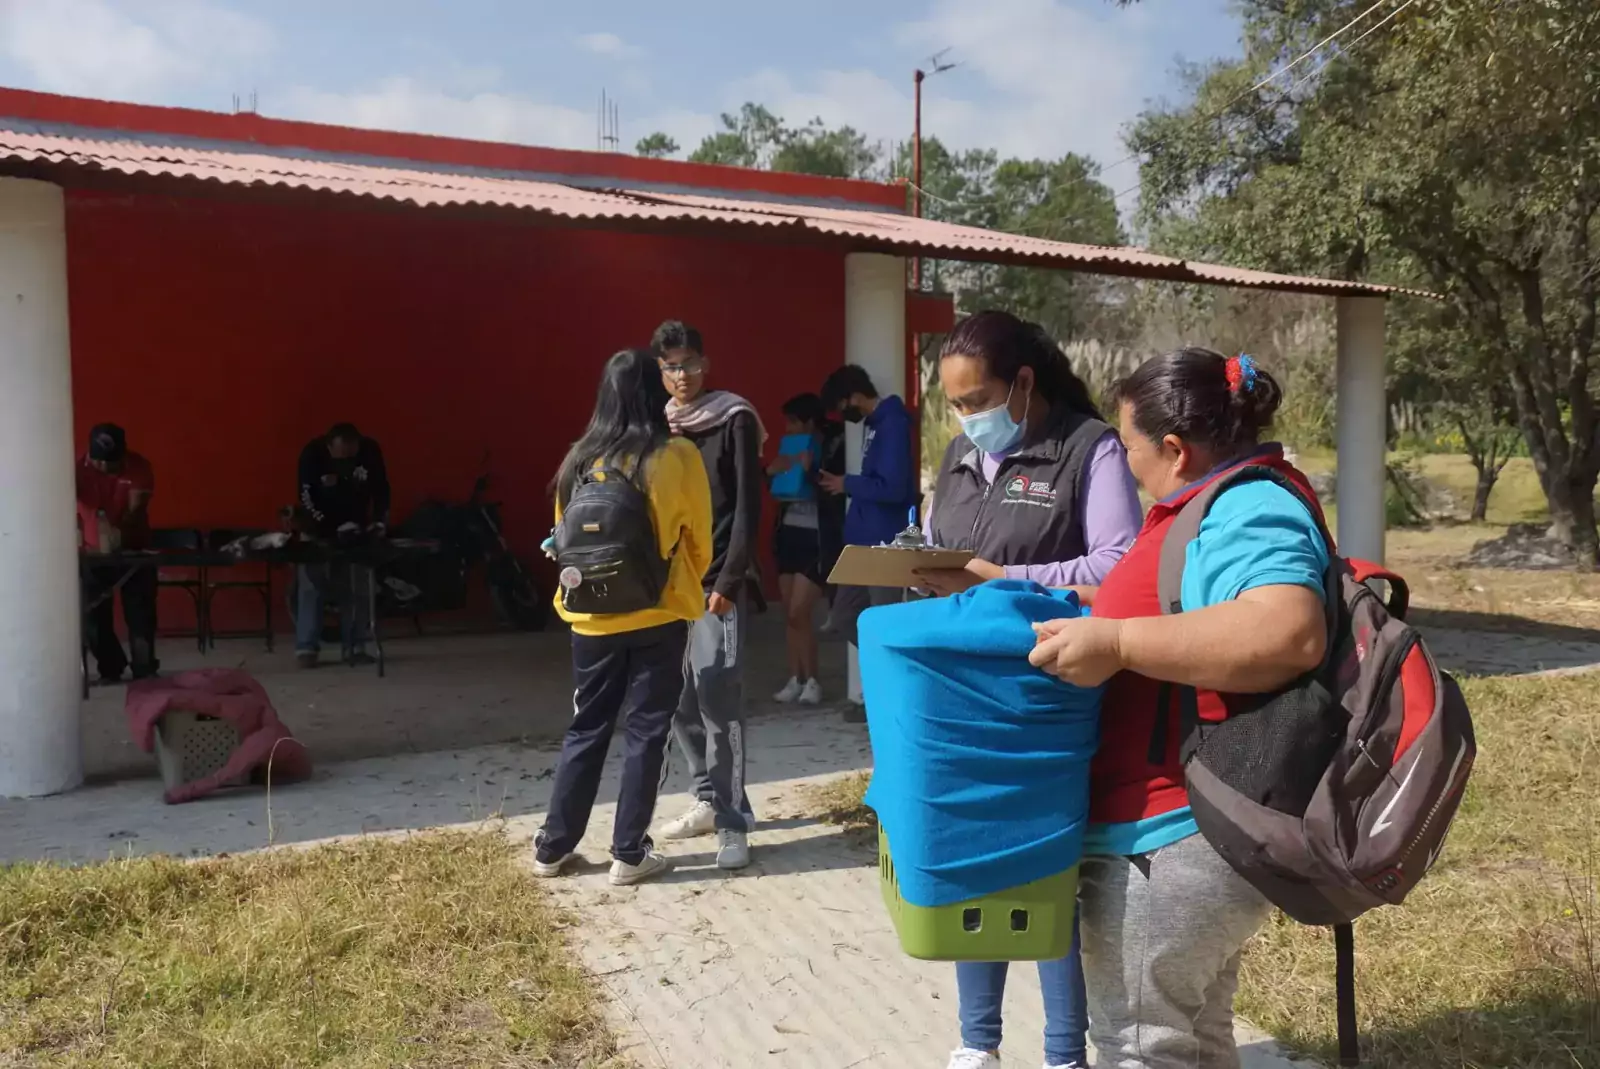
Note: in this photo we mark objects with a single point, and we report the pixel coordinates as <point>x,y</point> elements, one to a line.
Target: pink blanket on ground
<point>227,694</point>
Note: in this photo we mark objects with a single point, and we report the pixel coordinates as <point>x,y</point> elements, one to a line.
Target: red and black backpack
<point>1334,795</point>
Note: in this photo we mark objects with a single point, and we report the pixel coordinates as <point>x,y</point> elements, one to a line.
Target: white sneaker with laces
<point>811,693</point>
<point>733,850</point>
<point>791,692</point>
<point>626,875</point>
<point>549,870</point>
<point>966,1058</point>
<point>700,820</point>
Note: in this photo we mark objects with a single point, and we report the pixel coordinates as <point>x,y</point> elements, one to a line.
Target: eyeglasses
<point>688,367</point>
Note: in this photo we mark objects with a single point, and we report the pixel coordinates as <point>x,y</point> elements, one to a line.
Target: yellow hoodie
<point>680,504</point>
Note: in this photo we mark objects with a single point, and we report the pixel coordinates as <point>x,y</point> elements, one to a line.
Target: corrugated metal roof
<point>55,155</point>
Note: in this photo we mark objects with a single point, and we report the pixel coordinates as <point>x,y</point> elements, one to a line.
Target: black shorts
<point>799,552</point>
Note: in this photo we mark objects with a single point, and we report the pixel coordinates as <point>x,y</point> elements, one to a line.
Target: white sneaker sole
<point>733,864</point>
<point>628,879</point>
<point>553,869</point>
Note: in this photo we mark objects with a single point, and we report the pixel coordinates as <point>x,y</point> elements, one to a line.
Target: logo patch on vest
<point>1021,490</point>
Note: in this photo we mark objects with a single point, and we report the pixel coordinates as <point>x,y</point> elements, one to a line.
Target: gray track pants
<point>1161,937</point>
<point>709,725</point>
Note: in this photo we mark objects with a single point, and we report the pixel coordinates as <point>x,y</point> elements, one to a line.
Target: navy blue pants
<point>634,680</point>
<point>982,988</point>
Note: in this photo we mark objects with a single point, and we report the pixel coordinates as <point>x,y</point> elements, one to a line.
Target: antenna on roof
<point>610,130</point>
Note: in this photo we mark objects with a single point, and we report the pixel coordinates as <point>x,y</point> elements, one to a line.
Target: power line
<point>1263,83</point>
<point>1298,82</point>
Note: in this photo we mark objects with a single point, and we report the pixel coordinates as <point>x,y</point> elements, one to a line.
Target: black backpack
<point>1334,795</point>
<point>606,547</point>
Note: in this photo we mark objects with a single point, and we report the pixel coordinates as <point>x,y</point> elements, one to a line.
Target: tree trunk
<point>1572,520</point>
<point>1487,477</point>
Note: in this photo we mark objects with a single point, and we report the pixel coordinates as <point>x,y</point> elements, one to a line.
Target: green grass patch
<point>431,951</point>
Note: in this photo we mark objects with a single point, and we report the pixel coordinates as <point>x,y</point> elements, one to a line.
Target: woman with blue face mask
<point>1038,487</point>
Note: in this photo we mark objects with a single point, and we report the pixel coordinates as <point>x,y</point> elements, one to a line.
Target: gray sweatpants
<point>1161,936</point>
<point>709,725</point>
<point>849,602</point>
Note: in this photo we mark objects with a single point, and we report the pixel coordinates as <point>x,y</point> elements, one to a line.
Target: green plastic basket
<point>1028,923</point>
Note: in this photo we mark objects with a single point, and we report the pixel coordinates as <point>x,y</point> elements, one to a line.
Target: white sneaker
<point>626,875</point>
<point>733,850</point>
<point>973,1059</point>
<point>1069,1065</point>
<point>549,870</point>
<point>811,693</point>
<point>791,692</point>
<point>700,820</point>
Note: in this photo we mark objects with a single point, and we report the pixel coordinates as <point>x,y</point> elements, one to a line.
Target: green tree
<point>1459,146</point>
<point>656,146</point>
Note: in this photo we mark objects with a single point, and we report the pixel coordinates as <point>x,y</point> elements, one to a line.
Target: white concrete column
<point>40,749</point>
<point>1362,428</point>
<point>874,339</point>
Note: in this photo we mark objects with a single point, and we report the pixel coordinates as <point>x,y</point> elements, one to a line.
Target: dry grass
<point>839,802</point>
<point>1495,961</point>
<point>1491,599</point>
<point>436,950</point>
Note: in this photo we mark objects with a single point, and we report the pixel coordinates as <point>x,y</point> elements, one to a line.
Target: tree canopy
<point>1457,146</point>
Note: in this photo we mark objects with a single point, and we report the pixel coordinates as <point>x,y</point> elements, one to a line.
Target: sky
<point>1035,78</point>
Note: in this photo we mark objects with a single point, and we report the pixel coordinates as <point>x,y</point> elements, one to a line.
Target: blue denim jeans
<point>348,585</point>
<point>982,988</point>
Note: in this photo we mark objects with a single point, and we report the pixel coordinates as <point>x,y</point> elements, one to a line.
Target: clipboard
<point>892,566</point>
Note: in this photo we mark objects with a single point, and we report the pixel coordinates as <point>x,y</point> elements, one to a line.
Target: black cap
<point>108,442</point>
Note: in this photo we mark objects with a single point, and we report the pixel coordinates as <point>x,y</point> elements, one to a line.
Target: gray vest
<point>1032,512</point>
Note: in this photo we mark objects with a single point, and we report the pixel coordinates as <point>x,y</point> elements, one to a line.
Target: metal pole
<point>916,171</point>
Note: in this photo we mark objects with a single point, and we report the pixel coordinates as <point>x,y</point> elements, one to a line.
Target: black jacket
<point>335,492</point>
<point>1031,513</point>
<point>732,455</point>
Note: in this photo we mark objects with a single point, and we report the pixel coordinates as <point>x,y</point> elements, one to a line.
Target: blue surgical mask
<point>994,431</point>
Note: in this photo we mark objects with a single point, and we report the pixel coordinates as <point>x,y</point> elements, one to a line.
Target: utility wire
<point>1351,47</point>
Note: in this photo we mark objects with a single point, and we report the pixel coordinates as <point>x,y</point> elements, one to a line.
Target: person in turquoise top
<point>803,528</point>
<point>1164,918</point>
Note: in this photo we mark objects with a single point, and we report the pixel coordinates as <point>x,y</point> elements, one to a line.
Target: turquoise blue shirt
<point>1257,534</point>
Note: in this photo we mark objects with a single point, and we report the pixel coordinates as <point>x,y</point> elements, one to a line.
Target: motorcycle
<point>465,533</point>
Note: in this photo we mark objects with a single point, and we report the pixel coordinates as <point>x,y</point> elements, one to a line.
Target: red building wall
<point>225,335</point>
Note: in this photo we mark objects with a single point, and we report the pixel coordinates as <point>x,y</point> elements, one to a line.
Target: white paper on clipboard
<point>892,566</point>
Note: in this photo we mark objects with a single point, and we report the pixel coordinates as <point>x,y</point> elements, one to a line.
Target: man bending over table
<point>344,493</point>
<point>114,488</point>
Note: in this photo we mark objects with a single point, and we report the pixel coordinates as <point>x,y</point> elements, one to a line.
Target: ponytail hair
<point>1223,403</point>
<point>1008,344</point>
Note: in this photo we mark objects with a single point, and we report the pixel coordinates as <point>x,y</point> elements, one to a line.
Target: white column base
<point>40,748</point>
<point>1362,428</point>
<point>874,339</point>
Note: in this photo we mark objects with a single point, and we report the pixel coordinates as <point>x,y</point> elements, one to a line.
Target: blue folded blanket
<point>981,776</point>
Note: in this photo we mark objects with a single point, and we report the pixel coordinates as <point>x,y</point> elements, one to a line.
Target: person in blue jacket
<point>881,495</point>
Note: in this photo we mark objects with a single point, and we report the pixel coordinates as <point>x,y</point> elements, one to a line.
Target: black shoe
<point>148,671</point>
<point>359,659</point>
<point>110,679</point>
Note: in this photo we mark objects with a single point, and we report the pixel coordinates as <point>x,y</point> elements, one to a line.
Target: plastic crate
<point>1028,923</point>
<point>190,747</point>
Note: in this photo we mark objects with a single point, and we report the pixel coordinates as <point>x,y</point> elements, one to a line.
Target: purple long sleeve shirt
<point>1112,516</point>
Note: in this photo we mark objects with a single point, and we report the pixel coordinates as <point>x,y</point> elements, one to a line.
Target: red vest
<point>1137,772</point>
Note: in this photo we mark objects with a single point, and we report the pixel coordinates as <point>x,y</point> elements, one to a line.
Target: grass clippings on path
<point>432,951</point>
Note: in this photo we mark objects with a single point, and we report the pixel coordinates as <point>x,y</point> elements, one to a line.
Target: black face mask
<point>852,414</point>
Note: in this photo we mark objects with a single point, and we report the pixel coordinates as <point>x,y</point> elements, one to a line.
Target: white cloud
<point>405,104</point>
<point>1037,78</point>
<point>103,49</point>
<point>1059,79</point>
<point>608,44</point>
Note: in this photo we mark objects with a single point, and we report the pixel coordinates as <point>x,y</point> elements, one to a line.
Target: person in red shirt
<point>114,490</point>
